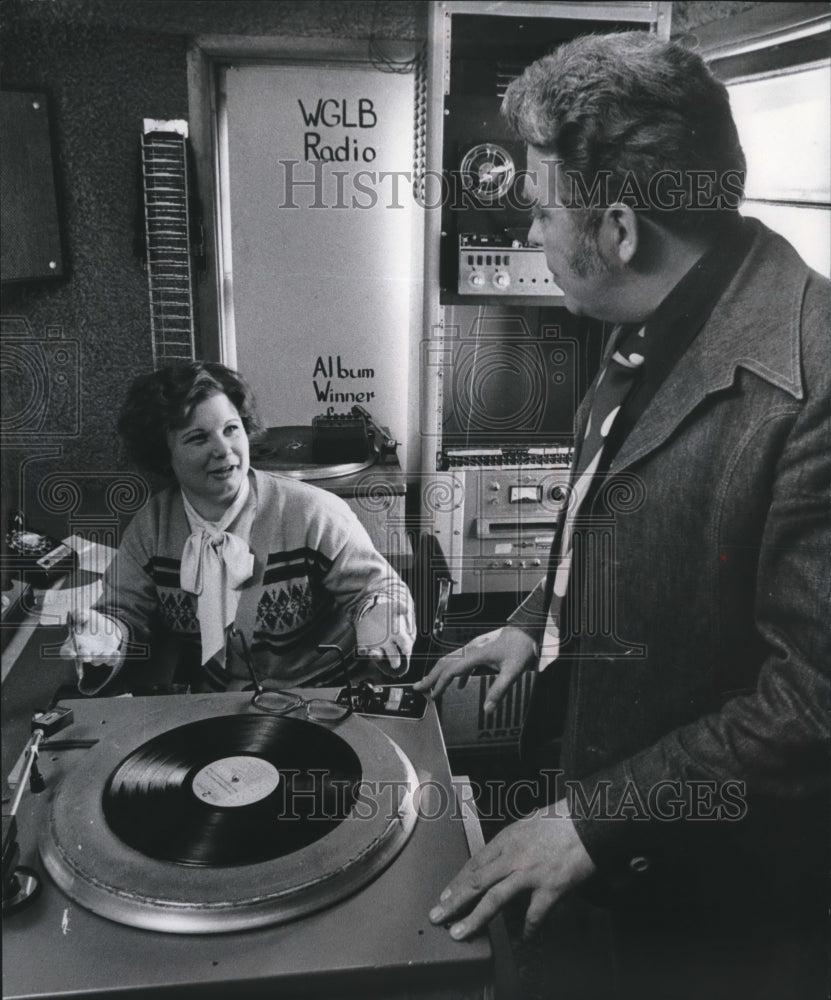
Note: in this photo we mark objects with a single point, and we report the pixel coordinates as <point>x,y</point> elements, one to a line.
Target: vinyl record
<point>232,790</point>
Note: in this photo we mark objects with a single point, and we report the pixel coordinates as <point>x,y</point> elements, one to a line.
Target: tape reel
<point>487,172</point>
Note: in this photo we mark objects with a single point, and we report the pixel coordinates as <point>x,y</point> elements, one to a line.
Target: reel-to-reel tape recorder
<point>499,262</point>
<point>191,845</point>
<point>485,214</point>
<point>485,217</point>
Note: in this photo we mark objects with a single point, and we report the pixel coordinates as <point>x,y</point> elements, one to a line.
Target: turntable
<point>334,446</point>
<point>352,456</point>
<point>192,846</point>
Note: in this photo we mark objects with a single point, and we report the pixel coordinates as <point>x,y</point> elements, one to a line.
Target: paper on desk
<point>55,604</point>
<point>93,557</point>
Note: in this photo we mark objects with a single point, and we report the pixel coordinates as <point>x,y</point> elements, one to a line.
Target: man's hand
<point>507,652</point>
<point>541,853</point>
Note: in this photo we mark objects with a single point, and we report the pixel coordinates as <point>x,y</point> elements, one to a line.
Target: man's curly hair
<point>634,108</point>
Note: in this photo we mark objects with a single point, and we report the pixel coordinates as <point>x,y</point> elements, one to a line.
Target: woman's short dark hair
<point>163,400</point>
<point>628,113</point>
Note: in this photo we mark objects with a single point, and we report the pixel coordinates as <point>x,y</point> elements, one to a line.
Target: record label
<point>235,781</point>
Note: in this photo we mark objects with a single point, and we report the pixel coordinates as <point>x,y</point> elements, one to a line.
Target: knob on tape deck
<point>492,265</point>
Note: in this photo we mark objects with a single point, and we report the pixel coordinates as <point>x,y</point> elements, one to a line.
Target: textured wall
<point>104,65</point>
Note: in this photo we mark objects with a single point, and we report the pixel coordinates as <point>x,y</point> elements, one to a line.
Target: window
<point>774,60</point>
<point>784,123</point>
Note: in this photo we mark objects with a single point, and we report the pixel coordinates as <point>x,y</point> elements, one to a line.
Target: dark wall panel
<point>30,240</point>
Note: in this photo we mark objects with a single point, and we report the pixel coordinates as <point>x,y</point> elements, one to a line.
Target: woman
<point>285,564</point>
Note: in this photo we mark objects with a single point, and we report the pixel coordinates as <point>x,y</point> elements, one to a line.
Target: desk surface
<point>29,686</point>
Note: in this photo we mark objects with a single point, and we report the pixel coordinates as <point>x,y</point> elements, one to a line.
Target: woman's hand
<point>383,636</point>
<point>93,638</point>
<point>507,652</point>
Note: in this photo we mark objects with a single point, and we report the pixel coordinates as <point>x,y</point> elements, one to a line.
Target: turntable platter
<point>288,450</point>
<point>234,821</point>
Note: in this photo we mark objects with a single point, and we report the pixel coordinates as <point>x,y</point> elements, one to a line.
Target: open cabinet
<point>503,364</point>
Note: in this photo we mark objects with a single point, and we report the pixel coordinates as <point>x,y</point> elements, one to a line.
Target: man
<point>695,744</point>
